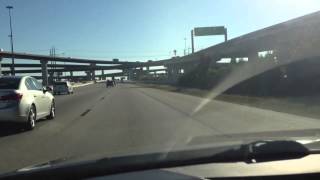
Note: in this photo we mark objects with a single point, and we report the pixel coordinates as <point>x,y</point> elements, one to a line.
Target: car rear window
<point>9,83</point>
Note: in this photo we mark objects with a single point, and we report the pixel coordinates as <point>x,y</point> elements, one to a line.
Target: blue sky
<point>135,29</point>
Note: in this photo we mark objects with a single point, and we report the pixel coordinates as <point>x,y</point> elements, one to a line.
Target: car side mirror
<point>47,89</point>
<point>44,89</point>
<point>50,89</point>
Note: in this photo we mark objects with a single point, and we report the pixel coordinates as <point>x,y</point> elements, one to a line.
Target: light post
<point>185,46</point>
<point>175,53</point>
<point>11,40</point>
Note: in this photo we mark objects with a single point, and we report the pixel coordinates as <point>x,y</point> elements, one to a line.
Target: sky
<point>135,30</point>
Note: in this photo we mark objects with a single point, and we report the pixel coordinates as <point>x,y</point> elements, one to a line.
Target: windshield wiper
<point>260,151</point>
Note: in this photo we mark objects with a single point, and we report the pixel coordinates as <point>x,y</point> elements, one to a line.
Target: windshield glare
<point>154,76</point>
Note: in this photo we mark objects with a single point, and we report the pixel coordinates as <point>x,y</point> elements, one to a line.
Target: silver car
<point>62,87</point>
<point>25,100</point>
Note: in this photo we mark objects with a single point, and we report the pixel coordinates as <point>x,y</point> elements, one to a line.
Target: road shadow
<point>11,128</point>
<point>8,128</point>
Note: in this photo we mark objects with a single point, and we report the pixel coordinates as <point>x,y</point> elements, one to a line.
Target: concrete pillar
<point>148,70</point>
<point>51,77</point>
<point>44,71</point>
<point>139,73</point>
<point>233,60</point>
<point>186,68</point>
<point>253,57</point>
<point>71,76</point>
<point>103,77</point>
<point>172,73</point>
<point>93,72</point>
<point>169,71</point>
<point>130,74</point>
<point>89,77</point>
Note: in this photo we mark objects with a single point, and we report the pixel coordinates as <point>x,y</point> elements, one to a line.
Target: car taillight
<point>11,97</point>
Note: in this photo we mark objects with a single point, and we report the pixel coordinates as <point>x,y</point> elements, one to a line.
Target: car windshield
<point>9,83</point>
<point>122,77</point>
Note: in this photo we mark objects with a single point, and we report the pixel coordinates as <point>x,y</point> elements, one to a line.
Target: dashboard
<point>304,168</point>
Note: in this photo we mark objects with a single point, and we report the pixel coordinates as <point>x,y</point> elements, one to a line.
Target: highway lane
<point>131,119</point>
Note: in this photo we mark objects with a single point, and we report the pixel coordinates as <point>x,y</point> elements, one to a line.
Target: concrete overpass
<point>85,77</point>
<point>85,65</point>
<point>290,41</point>
<point>99,67</point>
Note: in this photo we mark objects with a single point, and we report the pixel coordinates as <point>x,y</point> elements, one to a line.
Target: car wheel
<point>52,111</point>
<point>32,116</point>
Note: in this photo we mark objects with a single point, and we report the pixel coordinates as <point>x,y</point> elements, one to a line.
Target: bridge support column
<point>44,71</point>
<point>93,72</point>
<point>148,71</point>
<point>130,74</point>
<point>88,75</point>
<point>51,79</point>
<point>233,60</point>
<point>172,73</point>
<point>103,77</point>
<point>186,68</point>
<point>71,75</point>
<point>139,72</point>
<point>253,57</point>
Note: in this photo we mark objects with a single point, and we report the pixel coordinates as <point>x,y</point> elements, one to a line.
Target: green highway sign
<point>208,31</point>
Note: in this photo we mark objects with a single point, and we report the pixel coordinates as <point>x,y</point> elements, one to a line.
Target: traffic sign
<point>208,31</point>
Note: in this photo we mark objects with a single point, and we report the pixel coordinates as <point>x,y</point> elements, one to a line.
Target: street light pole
<point>185,46</point>
<point>11,40</point>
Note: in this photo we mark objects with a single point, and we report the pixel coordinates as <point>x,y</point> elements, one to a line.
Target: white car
<point>25,100</point>
<point>62,87</point>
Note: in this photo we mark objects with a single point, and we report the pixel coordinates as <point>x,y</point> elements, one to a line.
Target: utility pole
<point>11,40</point>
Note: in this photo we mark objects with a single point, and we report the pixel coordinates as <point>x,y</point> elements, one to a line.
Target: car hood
<point>309,138</point>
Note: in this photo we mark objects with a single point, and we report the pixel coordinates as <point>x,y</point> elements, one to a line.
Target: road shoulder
<point>302,106</point>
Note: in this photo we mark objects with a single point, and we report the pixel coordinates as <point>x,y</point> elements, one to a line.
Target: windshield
<point>9,83</point>
<point>148,76</point>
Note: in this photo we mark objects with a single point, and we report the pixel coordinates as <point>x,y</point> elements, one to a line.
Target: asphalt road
<point>130,119</point>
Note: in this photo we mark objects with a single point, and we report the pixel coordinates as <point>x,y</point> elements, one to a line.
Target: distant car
<point>62,87</point>
<point>25,100</point>
<point>110,83</point>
